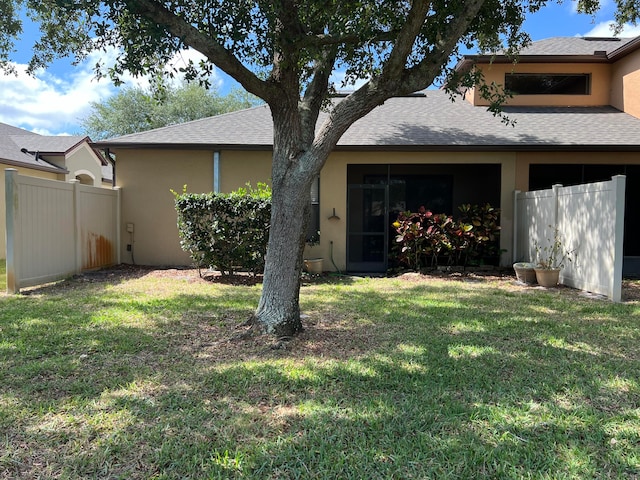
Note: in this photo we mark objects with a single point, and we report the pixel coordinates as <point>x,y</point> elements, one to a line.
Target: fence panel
<point>534,212</point>
<point>57,229</point>
<point>98,239</point>
<point>590,220</point>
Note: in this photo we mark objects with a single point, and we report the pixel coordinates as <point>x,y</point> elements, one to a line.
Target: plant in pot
<point>313,265</point>
<point>550,259</point>
<point>525,272</point>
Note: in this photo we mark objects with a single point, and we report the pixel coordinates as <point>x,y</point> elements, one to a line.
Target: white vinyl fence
<point>57,229</point>
<point>590,220</point>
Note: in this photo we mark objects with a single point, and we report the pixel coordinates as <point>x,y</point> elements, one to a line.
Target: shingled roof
<point>16,149</point>
<point>570,46</point>
<point>22,148</point>
<point>429,121</point>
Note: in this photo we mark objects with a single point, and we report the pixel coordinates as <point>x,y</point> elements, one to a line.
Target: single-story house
<point>576,118</point>
<point>54,157</point>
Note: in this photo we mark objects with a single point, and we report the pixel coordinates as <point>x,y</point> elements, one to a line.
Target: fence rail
<point>57,229</point>
<point>590,220</point>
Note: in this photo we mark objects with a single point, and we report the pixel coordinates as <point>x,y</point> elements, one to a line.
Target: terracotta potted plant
<point>525,272</point>
<point>550,259</point>
<point>313,265</point>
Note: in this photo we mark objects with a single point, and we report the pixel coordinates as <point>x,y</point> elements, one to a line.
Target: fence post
<point>11,194</point>
<point>619,185</point>
<point>118,223</point>
<point>77,225</point>
<point>515,254</point>
<point>556,204</point>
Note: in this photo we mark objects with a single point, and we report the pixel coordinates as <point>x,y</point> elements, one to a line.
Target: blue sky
<point>53,102</point>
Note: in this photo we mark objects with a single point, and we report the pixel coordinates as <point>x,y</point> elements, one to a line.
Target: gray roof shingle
<point>421,122</point>
<point>49,144</point>
<point>13,140</point>
<point>562,46</point>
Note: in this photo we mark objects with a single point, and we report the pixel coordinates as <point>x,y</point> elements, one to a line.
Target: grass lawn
<point>3,276</point>
<point>145,376</point>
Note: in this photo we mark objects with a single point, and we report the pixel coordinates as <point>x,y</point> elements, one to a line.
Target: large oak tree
<point>285,52</point>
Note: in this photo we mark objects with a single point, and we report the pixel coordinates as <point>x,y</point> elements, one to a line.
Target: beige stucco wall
<point>146,178</point>
<point>333,192</point>
<point>600,81</point>
<point>3,219</point>
<point>238,168</point>
<point>625,84</point>
<point>82,160</point>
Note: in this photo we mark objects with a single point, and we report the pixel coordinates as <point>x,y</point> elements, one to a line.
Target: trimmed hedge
<point>228,232</point>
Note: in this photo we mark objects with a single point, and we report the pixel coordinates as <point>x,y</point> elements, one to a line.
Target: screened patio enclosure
<point>378,193</point>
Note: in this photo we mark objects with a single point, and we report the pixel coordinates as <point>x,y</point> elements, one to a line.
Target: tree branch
<point>315,94</point>
<point>431,65</point>
<point>216,53</point>
<point>405,40</point>
<point>396,79</point>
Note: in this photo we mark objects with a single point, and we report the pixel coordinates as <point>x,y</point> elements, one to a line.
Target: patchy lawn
<point>3,276</point>
<point>143,374</point>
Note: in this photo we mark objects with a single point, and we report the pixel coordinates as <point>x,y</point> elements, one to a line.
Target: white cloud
<point>605,29</point>
<point>338,80</point>
<point>46,103</point>
<point>181,59</point>
<point>52,104</point>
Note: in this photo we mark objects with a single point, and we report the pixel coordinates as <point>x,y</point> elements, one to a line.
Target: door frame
<point>368,267</point>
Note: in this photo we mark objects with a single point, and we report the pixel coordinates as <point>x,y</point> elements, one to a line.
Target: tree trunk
<point>278,311</point>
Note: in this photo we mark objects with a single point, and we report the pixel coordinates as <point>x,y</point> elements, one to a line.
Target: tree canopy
<point>135,109</point>
<point>285,52</point>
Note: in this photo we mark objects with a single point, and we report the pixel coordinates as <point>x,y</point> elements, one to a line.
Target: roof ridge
<point>190,122</point>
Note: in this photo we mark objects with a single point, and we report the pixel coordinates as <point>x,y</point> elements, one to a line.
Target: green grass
<point>392,378</point>
<point>3,276</point>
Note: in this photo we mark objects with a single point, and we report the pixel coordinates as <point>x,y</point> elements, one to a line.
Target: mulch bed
<point>119,273</point>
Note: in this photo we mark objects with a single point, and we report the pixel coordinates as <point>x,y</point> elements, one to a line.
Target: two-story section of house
<point>581,79</point>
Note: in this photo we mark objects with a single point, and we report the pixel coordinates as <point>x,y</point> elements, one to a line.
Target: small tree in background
<point>136,109</point>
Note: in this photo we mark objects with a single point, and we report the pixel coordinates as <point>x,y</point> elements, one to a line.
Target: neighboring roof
<point>22,148</point>
<point>18,147</point>
<point>430,121</point>
<point>48,145</point>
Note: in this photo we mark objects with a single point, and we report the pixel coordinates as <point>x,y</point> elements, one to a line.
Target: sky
<point>53,101</point>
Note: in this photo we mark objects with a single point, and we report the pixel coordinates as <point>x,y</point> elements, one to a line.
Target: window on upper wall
<point>548,83</point>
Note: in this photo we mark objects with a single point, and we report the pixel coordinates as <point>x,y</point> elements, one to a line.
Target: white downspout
<point>216,172</point>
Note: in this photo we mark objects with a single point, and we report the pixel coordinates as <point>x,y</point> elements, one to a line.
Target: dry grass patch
<point>139,373</point>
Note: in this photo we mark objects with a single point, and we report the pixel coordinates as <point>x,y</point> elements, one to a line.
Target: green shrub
<point>228,232</point>
<point>424,239</point>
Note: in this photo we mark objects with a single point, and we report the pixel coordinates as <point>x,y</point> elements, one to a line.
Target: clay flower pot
<point>313,265</point>
<point>547,277</point>
<point>525,272</point>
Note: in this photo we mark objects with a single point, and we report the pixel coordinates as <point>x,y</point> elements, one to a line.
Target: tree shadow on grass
<point>383,383</point>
